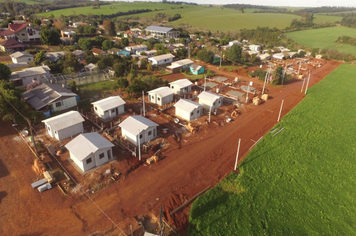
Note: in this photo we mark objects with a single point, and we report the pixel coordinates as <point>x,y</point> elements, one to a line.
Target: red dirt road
<point>186,170</point>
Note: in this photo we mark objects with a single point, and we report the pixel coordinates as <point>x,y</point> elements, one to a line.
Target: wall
<point>98,161</point>
<point>69,132</point>
<point>66,103</point>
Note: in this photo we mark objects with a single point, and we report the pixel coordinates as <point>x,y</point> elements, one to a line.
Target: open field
<point>202,16</point>
<point>27,1</point>
<point>324,38</point>
<point>299,182</point>
<point>320,19</point>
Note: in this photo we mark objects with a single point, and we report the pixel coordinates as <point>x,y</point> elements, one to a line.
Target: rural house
<point>98,52</point>
<point>90,150</point>
<point>65,125</point>
<point>138,129</point>
<point>135,49</point>
<point>79,54</point>
<point>109,107</point>
<point>149,53</point>
<point>161,96</point>
<point>254,47</point>
<point>11,45</point>
<point>162,32</point>
<point>21,32</point>
<point>19,57</point>
<point>183,65</point>
<point>161,59</point>
<point>56,97</point>
<point>181,86</point>
<point>210,100</point>
<point>28,75</point>
<point>54,56</point>
<point>196,69</point>
<point>91,67</point>
<point>188,110</point>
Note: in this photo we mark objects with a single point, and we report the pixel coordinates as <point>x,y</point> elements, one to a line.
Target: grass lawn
<point>97,89</point>
<point>325,38</point>
<point>299,182</point>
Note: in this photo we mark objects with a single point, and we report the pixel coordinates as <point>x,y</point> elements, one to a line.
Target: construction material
<point>264,97</point>
<point>256,101</point>
<point>44,187</point>
<point>152,159</point>
<point>38,167</point>
<point>39,183</point>
<point>278,132</point>
<point>49,177</point>
<point>191,128</point>
<point>234,114</point>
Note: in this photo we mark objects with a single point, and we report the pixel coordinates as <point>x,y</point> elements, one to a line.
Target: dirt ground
<point>198,161</point>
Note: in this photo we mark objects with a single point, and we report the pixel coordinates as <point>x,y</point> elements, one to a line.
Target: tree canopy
<point>5,72</point>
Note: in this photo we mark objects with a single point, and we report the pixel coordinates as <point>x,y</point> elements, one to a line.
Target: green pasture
<point>320,19</point>
<point>324,38</point>
<point>299,182</point>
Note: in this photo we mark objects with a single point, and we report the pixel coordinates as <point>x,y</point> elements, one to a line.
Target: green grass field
<point>319,19</point>
<point>27,1</point>
<point>300,182</point>
<point>324,38</point>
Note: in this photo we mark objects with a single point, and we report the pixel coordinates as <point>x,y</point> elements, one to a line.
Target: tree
<point>119,69</point>
<point>107,44</point>
<point>235,54</point>
<point>40,57</point>
<point>125,42</point>
<point>123,83</point>
<point>70,63</point>
<point>50,37</point>
<point>172,40</point>
<point>206,56</point>
<point>109,28</point>
<point>36,22</point>
<point>5,72</point>
<point>85,44</point>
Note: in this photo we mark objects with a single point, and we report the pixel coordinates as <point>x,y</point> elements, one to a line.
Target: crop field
<point>202,16</point>
<point>319,18</point>
<point>299,182</point>
<point>325,38</point>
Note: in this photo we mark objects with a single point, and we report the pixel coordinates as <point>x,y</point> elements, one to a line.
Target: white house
<point>161,96</point>
<point>26,76</point>
<point>109,107</point>
<point>188,110</point>
<point>90,150</point>
<point>137,48</point>
<point>264,56</point>
<point>181,86</point>
<point>19,57</point>
<point>162,32</point>
<point>210,100</point>
<point>254,47</point>
<point>180,65</point>
<point>231,43</point>
<point>161,59</point>
<point>149,53</point>
<point>64,126</point>
<point>279,56</point>
<point>138,129</point>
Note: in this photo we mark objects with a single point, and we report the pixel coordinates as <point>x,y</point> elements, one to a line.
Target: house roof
<point>195,67</point>
<point>33,71</point>
<point>136,124</point>
<point>78,52</point>
<point>208,96</point>
<point>64,120</point>
<point>182,63</point>
<point>138,46</point>
<point>20,54</point>
<point>91,66</point>
<point>45,94</point>
<point>159,28</point>
<point>97,50</point>
<point>162,57</point>
<point>186,105</point>
<point>54,55</point>
<point>85,144</point>
<point>162,91</point>
<point>109,102</point>
<point>11,43</point>
<point>182,83</point>
<point>12,29</point>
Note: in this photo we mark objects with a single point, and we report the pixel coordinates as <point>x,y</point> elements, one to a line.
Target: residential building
<point>54,56</point>
<point>188,110</point>
<point>98,52</point>
<point>79,54</point>
<point>264,56</point>
<point>181,86</point>
<point>231,43</point>
<point>124,53</point>
<point>161,96</point>
<point>21,32</point>
<point>161,59</point>
<point>64,126</point>
<point>11,45</point>
<point>19,57</point>
<point>26,76</point>
<point>183,65</point>
<point>91,67</point>
<point>90,150</point>
<point>162,32</point>
<point>109,107</point>
<point>196,69</point>
<point>135,49</point>
<point>210,101</point>
<point>150,53</point>
<point>254,47</point>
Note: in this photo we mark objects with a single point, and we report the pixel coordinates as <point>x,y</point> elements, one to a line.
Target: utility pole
<point>143,99</point>
<point>300,64</point>
<point>189,51</point>
<point>139,146</point>
<point>302,85</point>
<point>220,59</point>
<point>264,84</point>
<point>280,111</point>
<point>306,89</point>
<point>204,82</point>
<point>237,155</point>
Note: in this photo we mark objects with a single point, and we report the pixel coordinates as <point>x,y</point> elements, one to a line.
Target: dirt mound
<point>174,201</point>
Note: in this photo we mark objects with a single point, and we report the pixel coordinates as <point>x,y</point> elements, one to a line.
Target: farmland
<point>324,38</point>
<point>299,182</point>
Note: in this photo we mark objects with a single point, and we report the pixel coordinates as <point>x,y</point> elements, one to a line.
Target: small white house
<point>26,76</point>
<point>135,49</point>
<point>138,129</point>
<point>161,96</point>
<point>109,107</point>
<point>188,110</point>
<point>180,65</point>
<point>19,57</point>
<point>254,47</point>
<point>65,125</point>
<point>231,43</point>
<point>150,53</point>
<point>161,59</point>
<point>90,150</point>
<point>181,86</point>
<point>210,100</point>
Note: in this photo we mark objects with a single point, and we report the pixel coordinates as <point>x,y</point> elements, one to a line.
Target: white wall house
<point>19,57</point>
<point>188,110</point>
<point>180,65</point>
<point>181,86</point>
<point>231,43</point>
<point>26,76</point>
<point>66,125</point>
<point>161,59</point>
<point>137,48</point>
<point>161,96</point>
<point>90,150</point>
<point>109,107</point>
<point>150,53</point>
<point>138,129</point>
<point>254,47</point>
<point>210,100</point>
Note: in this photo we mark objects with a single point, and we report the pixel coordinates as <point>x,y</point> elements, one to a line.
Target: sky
<point>293,3</point>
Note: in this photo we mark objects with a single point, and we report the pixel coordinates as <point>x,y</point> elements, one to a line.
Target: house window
<point>109,154</point>
<point>49,128</point>
<point>219,101</point>
<point>198,111</point>
<point>191,114</point>
<point>89,160</point>
<point>172,86</point>
<point>112,110</point>
<point>23,34</point>
<point>58,104</point>
<point>149,133</point>
<point>96,108</point>
<point>159,99</point>
<point>101,156</point>
<point>29,59</point>
<point>213,103</point>
<point>140,136</point>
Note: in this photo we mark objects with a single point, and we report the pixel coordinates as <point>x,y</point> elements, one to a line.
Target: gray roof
<point>109,102</point>
<point>33,71</point>
<point>209,96</point>
<point>162,57</point>
<point>64,120</point>
<point>162,91</point>
<point>91,66</point>
<point>187,105</point>
<point>85,144</point>
<point>20,54</point>
<point>182,83</point>
<point>159,28</point>
<point>45,94</point>
<point>18,65</point>
<point>195,67</point>
<point>136,124</point>
<point>54,55</point>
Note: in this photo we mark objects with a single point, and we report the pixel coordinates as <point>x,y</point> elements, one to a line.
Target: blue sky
<point>294,3</point>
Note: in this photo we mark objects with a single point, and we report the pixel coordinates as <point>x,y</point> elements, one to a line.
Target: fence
<point>81,78</point>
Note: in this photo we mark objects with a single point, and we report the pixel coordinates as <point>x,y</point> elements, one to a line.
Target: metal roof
<point>109,102</point>
<point>182,83</point>
<point>136,124</point>
<point>64,120</point>
<point>91,66</point>
<point>195,67</point>
<point>159,28</point>
<point>182,62</point>
<point>85,144</point>
<point>208,96</point>
<point>162,57</point>
<point>20,54</point>
<point>187,105</point>
<point>33,71</point>
<point>162,91</point>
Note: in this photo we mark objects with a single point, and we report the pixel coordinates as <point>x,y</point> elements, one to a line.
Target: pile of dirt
<point>174,201</point>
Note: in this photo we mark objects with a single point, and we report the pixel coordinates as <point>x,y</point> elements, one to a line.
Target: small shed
<point>109,107</point>
<point>90,150</point>
<point>19,57</point>
<point>181,86</point>
<point>138,129</point>
<point>65,125</point>
<point>210,100</point>
<point>196,69</point>
<point>161,96</point>
<point>91,67</point>
<point>188,109</point>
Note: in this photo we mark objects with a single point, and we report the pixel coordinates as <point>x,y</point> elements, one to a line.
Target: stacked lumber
<point>38,167</point>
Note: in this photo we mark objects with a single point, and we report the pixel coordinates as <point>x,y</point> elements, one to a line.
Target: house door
<point>117,111</point>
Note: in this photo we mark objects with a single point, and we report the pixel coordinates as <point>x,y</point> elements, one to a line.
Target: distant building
<point>181,86</point>
<point>137,48</point>
<point>188,110</point>
<point>109,107</point>
<point>21,32</point>
<point>180,65</point>
<point>196,69</point>
<point>161,96</point>
<point>162,32</point>
<point>11,45</point>
<point>26,76</point>
<point>161,59</point>
<point>210,100</point>
<point>254,47</point>
<point>19,57</point>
